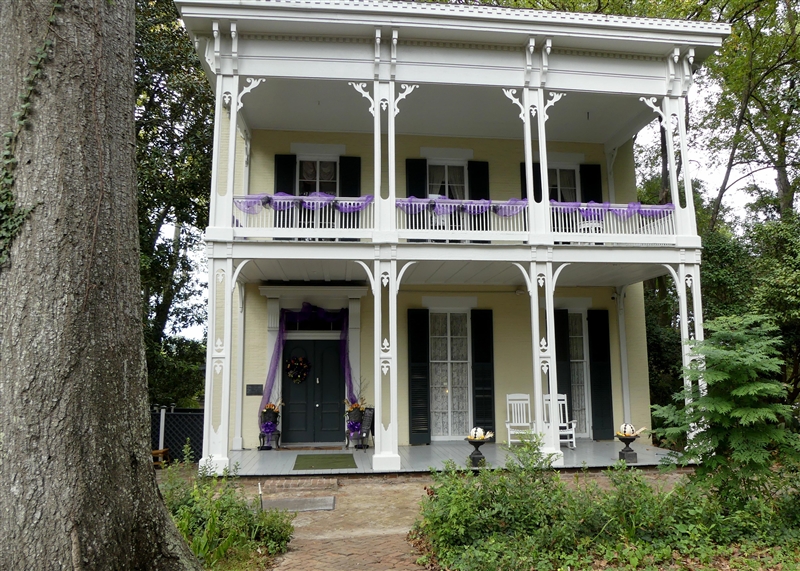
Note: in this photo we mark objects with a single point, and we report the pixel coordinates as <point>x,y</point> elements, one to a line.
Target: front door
<point>313,410</point>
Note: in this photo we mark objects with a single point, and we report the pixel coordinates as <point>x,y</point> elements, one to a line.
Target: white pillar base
<point>237,444</point>
<point>556,454</point>
<point>215,464</point>
<point>386,462</point>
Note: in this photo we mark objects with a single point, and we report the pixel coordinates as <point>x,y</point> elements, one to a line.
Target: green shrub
<point>524,517</point>
<point>216,520</point>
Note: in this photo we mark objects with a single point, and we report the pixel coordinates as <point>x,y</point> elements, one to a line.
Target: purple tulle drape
<point>443,206</point>
<point>308,311</point>
<point>597,211</point>
<point>280,201</point>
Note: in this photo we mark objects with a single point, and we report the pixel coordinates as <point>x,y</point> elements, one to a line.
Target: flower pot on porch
<point>355,415</point>
<point>269,416</point>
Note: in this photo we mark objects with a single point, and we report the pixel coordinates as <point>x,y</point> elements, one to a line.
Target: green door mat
<point>324,462</point>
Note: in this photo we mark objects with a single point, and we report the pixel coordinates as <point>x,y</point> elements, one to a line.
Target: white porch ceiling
<point>453,273</point>
<point>440,110</point>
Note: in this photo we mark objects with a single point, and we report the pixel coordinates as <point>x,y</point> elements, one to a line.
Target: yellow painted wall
<point>512,348</point>
<point>504,157</point>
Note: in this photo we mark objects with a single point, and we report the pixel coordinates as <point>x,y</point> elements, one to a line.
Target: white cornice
<point>489,14</point>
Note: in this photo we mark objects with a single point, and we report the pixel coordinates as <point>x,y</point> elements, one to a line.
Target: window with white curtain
<point>578,372</point>
<point>563,184</point>
<point>317,176</point>
<point>450,386</point>
<point>447,180</point>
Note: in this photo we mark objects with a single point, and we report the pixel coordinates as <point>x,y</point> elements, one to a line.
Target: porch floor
<point>423,458</point>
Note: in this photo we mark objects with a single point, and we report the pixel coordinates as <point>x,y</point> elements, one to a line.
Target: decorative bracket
<point>234,48</point>
<point>407,90</point>
<point>527,278</point>
<point>385,279</point>
<point>529,60</point>
<point>377,69</point>
<point>218,345</point>
<point>545,366</point>
<point>688,62</point>
<point>370,277</point>
<point>543,345</point>
<point>554,98</point>
<point>672,63</point>
<point>541,279</point>
<point>385,346</point>
<point>512,95</point>
<point>651,103</point>
<point>395,34</point>
<point>218,366</point>
<point>362,89</point>
<point>217,59</point>
<point>689,281</point>
<point>226,99</point>
<point>385,366</point>
<point>252,83</point>
<point>548,45</point>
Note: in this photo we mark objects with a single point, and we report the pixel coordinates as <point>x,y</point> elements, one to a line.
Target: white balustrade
<point>267,216</point>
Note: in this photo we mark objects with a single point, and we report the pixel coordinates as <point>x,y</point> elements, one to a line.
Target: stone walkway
<point>366,530</point>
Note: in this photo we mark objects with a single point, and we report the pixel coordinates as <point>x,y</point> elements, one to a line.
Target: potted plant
<point>269,424</point>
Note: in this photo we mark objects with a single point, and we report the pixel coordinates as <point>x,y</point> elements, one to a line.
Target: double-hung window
<point>317,175</point>
<point>447,180</point>
<point>564,184</point>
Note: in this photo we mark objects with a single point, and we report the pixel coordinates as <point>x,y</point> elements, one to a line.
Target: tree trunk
<point>79,487</point>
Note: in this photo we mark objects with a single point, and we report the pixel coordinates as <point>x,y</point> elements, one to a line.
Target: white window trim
<point>447,163</point>
<point>568,166</point>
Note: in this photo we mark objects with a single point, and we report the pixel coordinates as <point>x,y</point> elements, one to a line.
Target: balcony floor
<point>416,459</point>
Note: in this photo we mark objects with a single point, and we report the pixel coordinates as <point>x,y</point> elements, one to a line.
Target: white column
<point>538,395</point>
<point>697,308</point>
<point>218,368</point>
<point>680,111</point>
<point>666,114</point>
<point>543,209</point>
<point>680,286</point>
<point>391,222</point>
<point>273,328</point>
<point>552,440</point>
<point>239,385</point>
<point>528,142</point>
<point>623,354</point>
<point>215,153</point>
<point>227,204</point>
<point>354,342</point>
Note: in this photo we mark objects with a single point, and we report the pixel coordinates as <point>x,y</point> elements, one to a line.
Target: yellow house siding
<point>503,155</point>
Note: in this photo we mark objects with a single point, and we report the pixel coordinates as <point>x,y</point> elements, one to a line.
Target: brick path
<point>366,531</point>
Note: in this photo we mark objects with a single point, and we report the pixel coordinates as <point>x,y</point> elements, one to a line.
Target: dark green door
<point>313,410</point>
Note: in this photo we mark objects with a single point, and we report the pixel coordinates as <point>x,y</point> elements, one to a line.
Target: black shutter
<point>349,177</point>
<point>600,375</point>
<point>478,176</point>
<point>419,377</point>
<point>285,172</point>
<point>482,369</point>
<point>591,183</point>
<point>537,181</point>
<point>417,178</point>
<point>564,380</point>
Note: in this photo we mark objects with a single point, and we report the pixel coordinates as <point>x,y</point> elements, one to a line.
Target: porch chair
<point>518,416</point>
<point>566,427</point>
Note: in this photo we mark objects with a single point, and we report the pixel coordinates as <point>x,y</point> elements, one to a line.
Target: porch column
<point>542,209</point>
<point>384,276</point>
<point>623,354</point>
<point>218,371</point>
<point>273,329</point>
<point>239,385</point>
<point>233,109</point>
<point>552,439</point>
<point>692,281</point>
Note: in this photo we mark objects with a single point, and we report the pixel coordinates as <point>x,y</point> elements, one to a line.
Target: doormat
<point>324,462</point>
<point>325,503</point>
<point>292,448</point>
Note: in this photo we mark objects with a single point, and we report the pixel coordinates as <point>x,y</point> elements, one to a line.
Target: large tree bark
<point>78,487</point>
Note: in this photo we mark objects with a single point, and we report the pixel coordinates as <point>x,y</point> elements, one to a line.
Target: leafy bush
<point>525,517</point>
<point>216,520</point>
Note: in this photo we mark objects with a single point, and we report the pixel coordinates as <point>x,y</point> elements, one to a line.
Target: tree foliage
<point>174,128</point>
<point>736,429</point>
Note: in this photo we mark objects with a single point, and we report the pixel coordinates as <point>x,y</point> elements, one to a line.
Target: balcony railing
<point>437,219</point>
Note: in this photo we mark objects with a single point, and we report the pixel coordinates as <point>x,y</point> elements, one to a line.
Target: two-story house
<point>434,206</point>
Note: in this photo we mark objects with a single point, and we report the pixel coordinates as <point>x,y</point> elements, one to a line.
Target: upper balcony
<point>438,219</point>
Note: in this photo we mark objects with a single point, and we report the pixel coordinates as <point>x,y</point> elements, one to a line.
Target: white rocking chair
<point>518,419</point>
<point>566,427</point>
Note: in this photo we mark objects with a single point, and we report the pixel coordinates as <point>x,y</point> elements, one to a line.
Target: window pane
<point>438,324</point>
<point>308,170</point>
<point>307,187</point>
<point>459,348</point>
<point>327,170</point>
<point>569,192</point>
<point>328,187</point>
<point>436,179</point>
<point>458,324</point>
